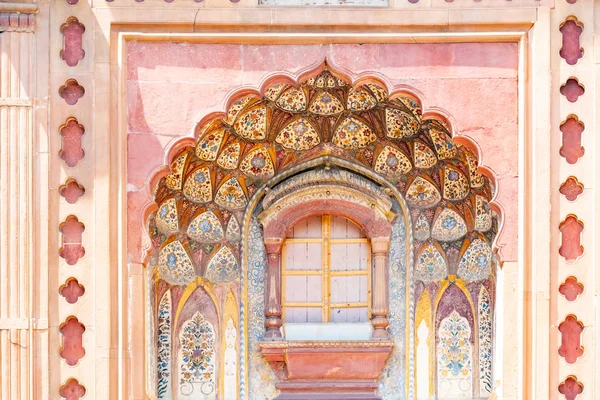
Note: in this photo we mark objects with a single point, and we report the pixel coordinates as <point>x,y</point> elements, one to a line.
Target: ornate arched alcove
<point>323,145</point>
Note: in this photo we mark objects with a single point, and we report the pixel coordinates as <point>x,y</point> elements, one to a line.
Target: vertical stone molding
<point>21,322</point>
<point>273,310</point>
<point>380,247</point>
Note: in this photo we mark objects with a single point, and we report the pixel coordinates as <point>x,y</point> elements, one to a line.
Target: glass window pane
<point>307,228</point>
<point>349,256</point>
<point>303,288</point>
<point>343,228</point>
<point>358,314</point>
<point>303,256</point>
<point>303,314</point>
<point>347,289</point>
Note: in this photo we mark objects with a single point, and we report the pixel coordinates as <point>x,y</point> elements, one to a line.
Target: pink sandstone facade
<point>159,160</point>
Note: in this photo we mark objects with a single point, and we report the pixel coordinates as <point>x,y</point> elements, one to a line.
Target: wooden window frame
<point>325,272</point>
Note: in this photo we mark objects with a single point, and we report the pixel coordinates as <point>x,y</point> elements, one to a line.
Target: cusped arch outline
<point>177,146</point>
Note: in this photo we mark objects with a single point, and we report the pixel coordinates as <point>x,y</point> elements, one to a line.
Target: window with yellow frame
<point>326,271</point>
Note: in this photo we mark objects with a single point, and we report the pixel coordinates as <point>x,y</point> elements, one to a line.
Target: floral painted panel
<point>484,316</point>
<point>454,358</point>
<point>223,266</point>
<point>230,369</point>
<point>197,378</point>
<point>392,385</point>
<point>261,385</point>
<point>163,347</point>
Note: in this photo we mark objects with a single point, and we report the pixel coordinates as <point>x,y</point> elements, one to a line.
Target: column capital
<point>380,245</point>
<point>273,245</point>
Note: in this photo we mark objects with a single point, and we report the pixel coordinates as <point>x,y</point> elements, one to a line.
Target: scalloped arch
<point>341,80</point>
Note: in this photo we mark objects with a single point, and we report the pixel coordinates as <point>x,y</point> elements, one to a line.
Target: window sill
<point>326,367</point>
<point>324,331</point>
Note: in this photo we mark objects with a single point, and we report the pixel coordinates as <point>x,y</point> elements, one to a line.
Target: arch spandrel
<point>238,159</point>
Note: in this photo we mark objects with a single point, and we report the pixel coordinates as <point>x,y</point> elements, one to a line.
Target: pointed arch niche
<point>322,144</point>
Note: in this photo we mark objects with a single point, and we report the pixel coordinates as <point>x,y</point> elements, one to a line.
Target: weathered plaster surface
<point>171,86</point>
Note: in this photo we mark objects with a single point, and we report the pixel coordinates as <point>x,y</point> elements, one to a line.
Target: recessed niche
<point>71,190</point>
<point>570,288</point>
<point>72,249</point>
<point>72,340</point>
<point>571,49</point>
<point>71,290</point>
<point>72,390</point>
<point>570,229</point>
<point>71,152</point>
<point>570,330</point>
<point>72,51</point>
<point>71,91</point>
<point>571,148</point>
<point>571,188</point>
<point>572,89</point>
<point>570,388</point>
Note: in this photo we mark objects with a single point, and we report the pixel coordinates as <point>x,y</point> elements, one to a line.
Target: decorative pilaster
<point>380,247</point>
<point>273,319</point>
<point>23,316</point>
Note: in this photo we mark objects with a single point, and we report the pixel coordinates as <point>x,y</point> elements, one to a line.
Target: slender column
<point>380,247</point>
<point>273,320</point>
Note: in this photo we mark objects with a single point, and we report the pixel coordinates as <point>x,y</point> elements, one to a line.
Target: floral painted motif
<point>430,263</point>
<point>197,359</point>
<point>233,229</point>
<point>476,179</point>
<point>261,380</point>
<point>456,186</point>
<point>293,100</point>
<point>167,218</point>
<point>483,214</point>
<point>326,80</point>
<point>412,105</point>
<point>231,196</point>
<point>175,264</point>
<point>422,193</point>
<point>442,143</point>
<point>455,358</point>
<point>360,99</point>
<point>353,134</point>
<point>392,162</point>
<point>378,91</point>
<point>423,156</point>
<point>206,227</point>
<point>390,386</point>
<point>229,156</point>
<point>274,91</point>
<point>236,107</point>
<point>258,163</point>
<point>484,318</point>
<point>252,124</point>
<point>476,261</point>
<point>163,347</point>
<point>326,103</point>
<point>208,146</point>
<point>298,135</point>
<point>422,229</point>
<point>198,186</point>
<point>230,385</point>
<point>175,178</point>
<point>400,124</point>
<point>448,226</point>
<point>223,266</point>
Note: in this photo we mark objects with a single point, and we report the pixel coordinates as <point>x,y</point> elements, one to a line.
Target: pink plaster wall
<point>171,86</point>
